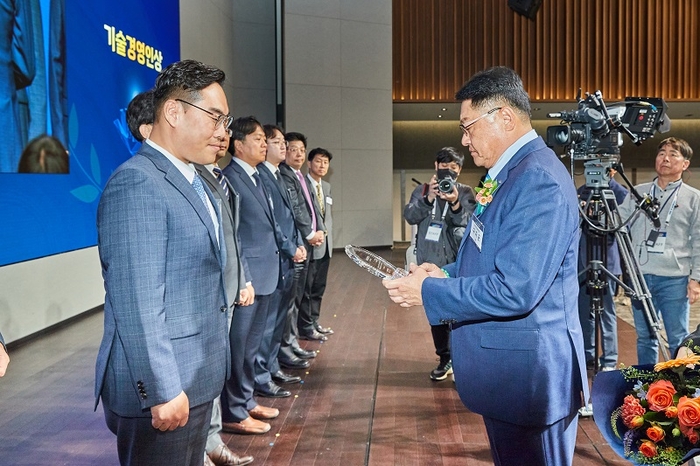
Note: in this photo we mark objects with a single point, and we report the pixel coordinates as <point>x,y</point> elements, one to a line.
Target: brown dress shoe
<point>222,456</point>
<point>247,426</point>
<point>264,413</point>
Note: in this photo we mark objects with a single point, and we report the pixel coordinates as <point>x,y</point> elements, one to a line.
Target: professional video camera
<point>593,134</point>
<point>594,131</point>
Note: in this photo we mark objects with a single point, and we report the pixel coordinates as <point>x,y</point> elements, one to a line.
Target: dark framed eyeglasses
<point>219,119</point>
<point>465,127</point>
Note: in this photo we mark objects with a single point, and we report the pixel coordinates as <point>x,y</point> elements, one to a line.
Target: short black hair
<point>449,155</point>
<point>319,151</point>
<point>183,80</point>
<point>44,154</point>
<point>295,137</point>
<point>140,112</point>
<point>242,127</point>
<point>270,130</point>
<point>494,85</point>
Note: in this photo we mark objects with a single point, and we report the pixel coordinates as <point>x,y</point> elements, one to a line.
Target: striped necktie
<point>220,177</point>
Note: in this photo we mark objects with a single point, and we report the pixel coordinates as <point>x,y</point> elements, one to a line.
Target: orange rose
<point>648,449</point>
<point>660,395</point>
<point>655,434</point>
<point>671,412</point>
<point>689,411</point>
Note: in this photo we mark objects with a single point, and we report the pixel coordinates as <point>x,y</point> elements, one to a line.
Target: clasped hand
<point>406,291</point>
<point>171,414</point>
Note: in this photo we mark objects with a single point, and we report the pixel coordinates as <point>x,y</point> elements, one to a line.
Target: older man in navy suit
<point>511,297</point>
<point>164,355</point>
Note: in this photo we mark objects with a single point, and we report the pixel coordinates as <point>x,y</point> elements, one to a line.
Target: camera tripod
<point>601,218</point>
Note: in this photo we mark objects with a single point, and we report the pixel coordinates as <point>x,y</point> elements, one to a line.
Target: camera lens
<point>446,185</point>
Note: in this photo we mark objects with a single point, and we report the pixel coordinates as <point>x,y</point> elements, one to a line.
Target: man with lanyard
<point>669,255</point>
<point>441,218</point>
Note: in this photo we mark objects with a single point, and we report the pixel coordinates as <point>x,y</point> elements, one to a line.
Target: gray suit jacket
<point>234,271</point>
<point>320,251</point>
<point>165,318</point>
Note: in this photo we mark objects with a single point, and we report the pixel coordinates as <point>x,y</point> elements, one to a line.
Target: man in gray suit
<point>164,355</point>
<point>319,161</point>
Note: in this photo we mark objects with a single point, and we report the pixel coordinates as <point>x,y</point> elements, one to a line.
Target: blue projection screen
<point>94,57</point>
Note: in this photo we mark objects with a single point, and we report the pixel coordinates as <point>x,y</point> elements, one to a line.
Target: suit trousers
<point>139,444</point>
<point>515,445</point>
<point>310,307</point>
<point>214,432</point>
<point>441,340</point>
<point>290,339</point>
<point>274,324</point>
<point>245,336</point>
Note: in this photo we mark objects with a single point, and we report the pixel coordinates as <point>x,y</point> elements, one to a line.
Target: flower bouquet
<point>651,415</point>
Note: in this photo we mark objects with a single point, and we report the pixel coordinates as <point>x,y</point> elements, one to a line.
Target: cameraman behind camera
<point>441,209</point>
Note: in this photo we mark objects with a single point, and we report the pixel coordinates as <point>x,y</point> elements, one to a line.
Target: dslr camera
<point>446,180</point>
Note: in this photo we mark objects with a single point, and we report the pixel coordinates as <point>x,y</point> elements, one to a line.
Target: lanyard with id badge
<point>656,242</point>
<point>435,226</point>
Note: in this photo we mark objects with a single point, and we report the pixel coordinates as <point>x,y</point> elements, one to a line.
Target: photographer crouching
<point>441,209</point>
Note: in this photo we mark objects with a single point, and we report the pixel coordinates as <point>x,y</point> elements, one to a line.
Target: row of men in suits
<point>265,239</point>
<point>284,236</point>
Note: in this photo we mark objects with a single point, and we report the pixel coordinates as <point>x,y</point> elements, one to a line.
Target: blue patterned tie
<point>220,177</point>
<point>197,185</point>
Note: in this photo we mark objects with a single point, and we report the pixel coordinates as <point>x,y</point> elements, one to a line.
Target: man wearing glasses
<point>511,296</point>
<point>164,355</point>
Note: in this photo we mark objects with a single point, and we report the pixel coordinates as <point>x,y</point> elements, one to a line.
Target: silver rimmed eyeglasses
<point>465,128</point>
<point>219,119</point>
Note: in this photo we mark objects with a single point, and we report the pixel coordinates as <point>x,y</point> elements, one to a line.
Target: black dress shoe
<point>303,354</point>
<point>294,363</point>
<point>272,390</point>
<point>281,377</point>
<point>323,330</point>
<point>313,335</point>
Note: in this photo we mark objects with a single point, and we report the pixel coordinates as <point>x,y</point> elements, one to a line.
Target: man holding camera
<point>441,209</point>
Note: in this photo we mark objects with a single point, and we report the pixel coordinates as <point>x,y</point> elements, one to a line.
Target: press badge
<point>477,232</point>
<point>656,242</point>
<point>434,231</point>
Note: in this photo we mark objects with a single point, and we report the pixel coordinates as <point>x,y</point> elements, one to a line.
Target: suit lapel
<point>216,186</point>
<point>179,182</point>
<point>248,184</point>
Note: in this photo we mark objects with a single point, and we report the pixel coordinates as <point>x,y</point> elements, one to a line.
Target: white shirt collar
<point>510,152</point>
<point>186,169</point>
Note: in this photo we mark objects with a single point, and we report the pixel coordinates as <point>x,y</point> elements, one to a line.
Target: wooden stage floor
<point>366,399</point>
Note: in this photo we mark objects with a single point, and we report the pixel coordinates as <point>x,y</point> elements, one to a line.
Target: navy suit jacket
<point>16,72</point>
<point>517,346</point>
<point>256,231</point>
<point>289,238</point>
<point>165,319</point>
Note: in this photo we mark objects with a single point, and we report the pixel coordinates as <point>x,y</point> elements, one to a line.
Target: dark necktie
<point>220,177</point>
<point>258,184</point>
